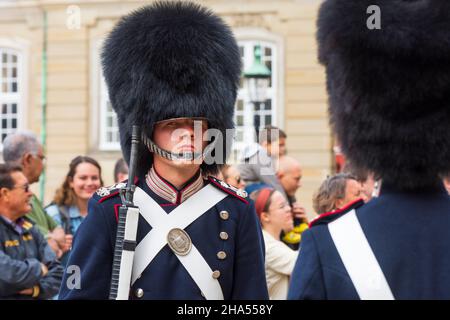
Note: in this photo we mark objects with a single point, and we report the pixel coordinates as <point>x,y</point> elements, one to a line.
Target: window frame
<point>20,48</point>
<point>250,37</point>
<point>99,99</point>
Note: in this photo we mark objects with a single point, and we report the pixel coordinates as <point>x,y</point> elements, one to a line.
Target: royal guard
<point>389,102</point>
<point>173,70</point>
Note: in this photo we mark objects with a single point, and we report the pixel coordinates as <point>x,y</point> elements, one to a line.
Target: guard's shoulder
<point>105,193</point>
<point>328,217</point>
<point>225,187</point>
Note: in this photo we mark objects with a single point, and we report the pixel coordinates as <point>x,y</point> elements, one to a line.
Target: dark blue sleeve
<point>88,271</point>
<point>249,274</point>
<point>307,280</point>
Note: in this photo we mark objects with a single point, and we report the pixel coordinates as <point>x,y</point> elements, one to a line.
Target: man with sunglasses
<point>23,149</point>
<point>29,268</point>
<point>173,69</point>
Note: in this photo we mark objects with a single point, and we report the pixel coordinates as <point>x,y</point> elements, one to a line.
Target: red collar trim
<point>165,190</point>
<point>332,213</point>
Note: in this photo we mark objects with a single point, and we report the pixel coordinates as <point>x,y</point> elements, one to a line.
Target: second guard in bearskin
<point>390,108</point>
<point>173,69</point>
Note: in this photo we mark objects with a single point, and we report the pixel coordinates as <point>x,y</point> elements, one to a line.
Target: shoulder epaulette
<point>105,193</point>
<point>222,185</point>
<point>328,217</point>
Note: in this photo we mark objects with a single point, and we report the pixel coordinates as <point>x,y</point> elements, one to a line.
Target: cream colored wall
<point>72,115</point>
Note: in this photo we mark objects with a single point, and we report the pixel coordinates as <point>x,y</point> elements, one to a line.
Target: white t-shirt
<point>280,262</point>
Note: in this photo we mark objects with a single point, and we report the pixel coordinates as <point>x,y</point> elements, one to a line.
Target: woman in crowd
<point>337,192</point>
<point>70,204</point>
<point>275,215</point>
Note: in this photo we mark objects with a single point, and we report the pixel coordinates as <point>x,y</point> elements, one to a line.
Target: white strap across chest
<point>181,217</point>
<point>359,259</point>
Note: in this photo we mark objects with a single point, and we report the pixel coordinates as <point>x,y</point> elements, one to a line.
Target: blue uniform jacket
<point>242,273</point>
<point>409,235</point>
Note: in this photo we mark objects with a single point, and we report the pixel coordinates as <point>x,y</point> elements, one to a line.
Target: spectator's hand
<point>55,247</point>
<point>299,212</point>
<point>44,269</point>
<point>27,292</point>
<point>58,235</point>
<point>68,243</point>
<point>34,291</point>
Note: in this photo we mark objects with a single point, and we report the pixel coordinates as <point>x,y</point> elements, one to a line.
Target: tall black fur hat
<point>168,60</point>
<point>389,88</point>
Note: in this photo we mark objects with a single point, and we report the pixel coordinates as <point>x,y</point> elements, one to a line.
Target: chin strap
<point>187,156</point>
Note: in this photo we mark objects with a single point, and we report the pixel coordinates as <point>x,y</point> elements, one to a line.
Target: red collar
<point>167,191</point>
<point>338,212</point>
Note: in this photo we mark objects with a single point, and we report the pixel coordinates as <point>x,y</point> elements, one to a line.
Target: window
<point>104,126</point>
<point>250,117</point>
<point>109,129</point>
<point>10,91</point>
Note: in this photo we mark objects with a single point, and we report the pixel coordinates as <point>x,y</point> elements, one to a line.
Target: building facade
<point>79,118</point>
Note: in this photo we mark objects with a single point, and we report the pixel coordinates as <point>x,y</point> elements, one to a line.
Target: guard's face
<point>181,135</point>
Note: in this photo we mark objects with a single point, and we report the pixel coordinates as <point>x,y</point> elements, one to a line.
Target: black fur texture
<point>168,60</point>
<point>389,89</point>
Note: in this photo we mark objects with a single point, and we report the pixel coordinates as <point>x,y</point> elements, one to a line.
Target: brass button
<point>221,255</point>
<point>224,215</point>
<point>216,274</point>
<point>139,293</point>
<point>223,235</point>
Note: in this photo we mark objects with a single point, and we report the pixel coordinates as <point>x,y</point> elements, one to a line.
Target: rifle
<point>126,230</point>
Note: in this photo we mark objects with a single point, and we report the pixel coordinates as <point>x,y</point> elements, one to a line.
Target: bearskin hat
<point>389,88</point>
<point>171,59</point>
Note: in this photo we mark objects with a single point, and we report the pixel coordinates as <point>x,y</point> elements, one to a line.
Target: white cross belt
<point>181,217</point>
<point>358,258</point>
